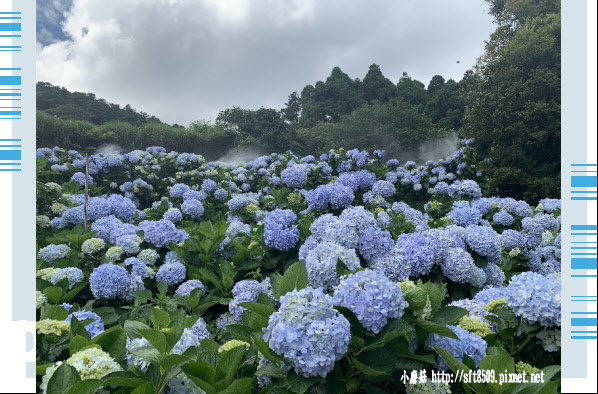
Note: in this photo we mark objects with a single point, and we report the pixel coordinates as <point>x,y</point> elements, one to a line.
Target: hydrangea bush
<point>288,274</point>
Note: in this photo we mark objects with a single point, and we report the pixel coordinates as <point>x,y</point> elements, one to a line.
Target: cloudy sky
<point>184,60</point>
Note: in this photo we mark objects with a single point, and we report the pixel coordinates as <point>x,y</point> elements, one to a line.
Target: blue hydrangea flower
<point>384,189</point>
<point>121,207</point>
<point>134,284</point>
<point>536,298</point>
<point>511,239</point>
<point>484,241</point>
<point>221,194</point>
<point>185,288</point>
<point>94,328</point>
<point>372,297</point>
<point>357,218</point>
<point>53,252</point>
<point>466,188</point>
<point>193,208</point>
<point>503,218</point>
<point>551,204</point>
<point>129,243</point>
<point>73,275</point>
<point>173,214</point>
<point>133,360</point>
<point>80,177</point>
<point>178,189</point>
<point>209,185</point>
<point>484,205</point>
<point>162,232</point>
<point>384,220</point>
<point>173,257</point>
<point>237,203</point>
<point>293,177</point>
<point>308,332</point>
<point>225,320</point>
<point>442,239</point>
<point>459,266</point>
<point>365,179</point>
<point>198,195</point>
<point>171,273</point>
<point>495,277</point>
<point>374,242</point>
<point>148,256</point>
<point>441,188</point>
<point>519,208</point>
<point>469,343</point>
<point>279,231</point>
<point>344,166</point>
<point>138,267</point>
<point>108,281</point>
<point>464,215</point>
<point>106,226</point>
<point>414,250</point>
<point>393,264</point>
<point>235,228</point>
<point>58,222</point>
<point>340,196</point>
<point>550,267</point>
<point>187,340</point>
<point>247,291</point>
<point>321,264</point>
<point>489,294</point>
<point>539,223</point>
<point>348,179</point>
<point>200,329</point>
<point>410,213</point>
<point>337,195</point>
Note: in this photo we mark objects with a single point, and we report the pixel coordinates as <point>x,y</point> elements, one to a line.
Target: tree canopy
<point>513,100</point>
<point>86,107</point>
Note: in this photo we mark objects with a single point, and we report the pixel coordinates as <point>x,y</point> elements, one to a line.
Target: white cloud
<point>183,60</point>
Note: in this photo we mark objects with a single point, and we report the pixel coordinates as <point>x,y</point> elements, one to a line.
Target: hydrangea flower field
<point>344,274</point>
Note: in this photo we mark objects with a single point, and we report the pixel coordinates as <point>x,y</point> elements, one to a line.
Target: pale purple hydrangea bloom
<point>308,332</point>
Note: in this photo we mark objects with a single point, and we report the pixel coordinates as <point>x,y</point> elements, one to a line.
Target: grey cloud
<point>186,60</point>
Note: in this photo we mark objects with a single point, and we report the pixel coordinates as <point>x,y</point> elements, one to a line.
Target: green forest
<point>509,102</point>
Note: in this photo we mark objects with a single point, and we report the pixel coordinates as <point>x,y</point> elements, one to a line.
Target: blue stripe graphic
<point>584,322</point>
<point>10,154</point>
<point>583,181</point>
<point>584,227</point>
<point>10,27</point>
<point>10,80</point>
